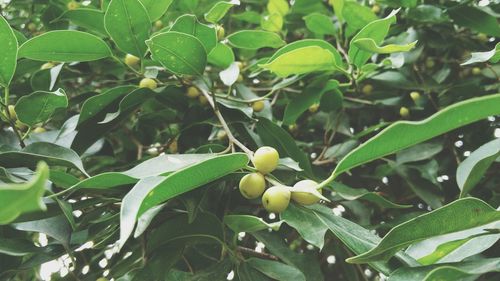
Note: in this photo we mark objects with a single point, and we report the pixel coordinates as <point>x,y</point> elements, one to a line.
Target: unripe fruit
<point>220,33</point>
<point>203,100</point>
<point>376,9</point>
<point>293,128</point>
<point>193,92</point>
<point>367,89</point>
<point>38,130</point>
<point>148,83</point>
<point>131,60</point>
<point>12,112</point>
<point>158,24</point>
<point>266,159</point>
<point>476,71</point>
<point>305,198</point>
<point>31,26</point>
<point>276,199</point>
<point>482,37</point>
<point>314,108</point>
<point>21,126</point>
<point>252,185</point>
<point>102,279</point>
<point>258,106</point>
<point>221,135</point>
<point>47,65</point>
<point>153,151</point>
<point>430,63</point>
<point>404,112</point>
<point>173,147</point>
<point>240,78</point>
<point>73,5</point>
<point>240,65</point>
<point>415,96</point>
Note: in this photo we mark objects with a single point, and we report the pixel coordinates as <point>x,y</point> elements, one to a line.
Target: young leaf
<point>320,24</point>
<point>472,169</point>
<point>17,199</point>
<point>39,107</point>
<point>179,53</point>
<point>78,46</point>
<point>219,10</point>
<point>127,23</point>
<point>404,134</point>
<point>8,49</point>
<point>246,223</point>
<point>156,8</point>
<point>473,213</point>
<point>221,56</point>
<point>278,7</point>
<point>369,45</point>
<point>255,39</point>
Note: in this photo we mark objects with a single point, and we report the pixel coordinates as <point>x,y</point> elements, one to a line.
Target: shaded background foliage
<point>106,141</point>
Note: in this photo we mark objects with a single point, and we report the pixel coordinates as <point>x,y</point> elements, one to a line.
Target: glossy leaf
<point>127,23</point>
<point>276,270</point>
<point>179,53</point>
<point>473,168</point>
<point>369,45</point>
<point>320,24</point>
<point>404,134</point>
<point>278,6</point>
<point>156,8</point>
<point>311,228</point>
<point>219,10</point>
<point>478,57</point>
<point>473,213</point>
<point>188,24</point>
<point>91,19</point>
<point>20,198</point>
<point>8,49</point>
<point>246,223</point>
<point>349,193</point>
<point>221,56</point>
<point>39,107</point>
<point>255,39</point>
<point>79,46</point>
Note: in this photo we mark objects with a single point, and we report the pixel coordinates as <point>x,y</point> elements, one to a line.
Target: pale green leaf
<point>39,107</point>
<point>369,45</point>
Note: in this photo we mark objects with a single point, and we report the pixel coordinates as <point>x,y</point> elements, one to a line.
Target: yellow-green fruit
<point>415,96</point>
<point>276,199</point>
<point>404,112</point>
<point>221,135</point>
<point>131,60</point>
<point>482,37</point>
<point>376,9</point>
<point>240,65</point>
<point>158,24</point>
<point>367,89</point>
<point>476,71</point>
<point>266,159</point>
<point>12,112</point>
<point>21,126</point>
<point>31,26</point>
<point>148,83</point>
<point>102,279</point>
<point>173,147</point>
<point>293,128</point>
<point>203,100</point>
<point>38,130</point>
<point>252,185</point>
<point>73,5</point>
<point>258,106</point>
<point>305,198</point>
<point>47,65</point>
<point>193,92</point>
<point>220,33</point>
<point>240,78</point>
<point>429,63</point>
<point>314,108</point>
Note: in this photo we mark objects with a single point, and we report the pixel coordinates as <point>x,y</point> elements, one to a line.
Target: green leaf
<point>375,30</point>
<point>129,102</point>
<point>492,56</point>
<point>308,43</point>
<point>50,153</point>
<point>338,7</point>
<point>8,49</point>
<point>91,19</point>
<point>276,270</point>
<point>306,223</point>
<point>221,56</point>
<point>255,39</point>
<point>447,272</point>
<point>180,53</point>
<point>151,191</point>
<point>246,223</point>
<point>78,46</point>
<point>419,152</point>
<point>349,193</point>
<point>473,168</point>
<point>475,19</point>
<point>273,23</point>
<point>156,8</point>
<point>320,24</point>
<point>188,24</point>
<point>404,134</point>
<point>356,16</point>
<point>17,247</point>
<point>473,212</point>
<point>369,45</point>
<point>127,23</point>
<point>278,7</point>
<point>219,10</point>
<point>56,227</point>
<point>17,199</point>
<point>39,107</point>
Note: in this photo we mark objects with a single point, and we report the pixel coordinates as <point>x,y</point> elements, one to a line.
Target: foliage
<point>152,140</point>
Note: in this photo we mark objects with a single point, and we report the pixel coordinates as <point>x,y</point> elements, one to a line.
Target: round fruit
<point>131,60</point>
<point>47,65</point>
<point>38,130</point>
<point>415,96</point>
<point>148,83</point>
<point>221,135</point>
<point>367,89</point>
<point>430,63</point>
<point>482,37</point>
<point>220,32</point>
<point>193,92</point>
<point>376,9</point>
<point>314,108</point>
<point>476,71</point>
<point>31,26</point>
<point>266,159</point>
<point>305,198</point>
<point>158,24</point>
<point>173,147</point>
<point>73,5</point>
<point>12,112</point>
<point>258,106</point>
<point>276,199</point>
<point>293,128</point>
<point>203,100</point>
<point>240,65</point>
<point>404,112</point>
<point>252,185</point>
<point>240,78</point>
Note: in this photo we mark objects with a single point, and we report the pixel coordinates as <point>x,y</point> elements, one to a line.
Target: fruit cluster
<point>276,198</point>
